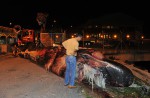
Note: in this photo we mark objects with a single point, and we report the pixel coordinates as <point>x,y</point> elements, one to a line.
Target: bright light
<point>10,23</point>
<point>72,36</point>
<point>115,36</point>
<point>142,37</point>
<point>128,36</point>
<point>102,36</point>
<point>57,36</point>
<point>87,36</point>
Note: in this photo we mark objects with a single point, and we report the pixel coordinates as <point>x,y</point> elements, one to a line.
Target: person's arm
<point>64,44</point>
<point>77,47</point>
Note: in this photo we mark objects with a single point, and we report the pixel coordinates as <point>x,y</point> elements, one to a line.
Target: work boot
<point>71,86</point>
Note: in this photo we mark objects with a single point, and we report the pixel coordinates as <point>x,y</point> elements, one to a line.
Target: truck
<point>24,39</point>
<point>26,36</point>
<point>28,39</point>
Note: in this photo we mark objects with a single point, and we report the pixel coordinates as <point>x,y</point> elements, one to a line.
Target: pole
<point>83,38</point>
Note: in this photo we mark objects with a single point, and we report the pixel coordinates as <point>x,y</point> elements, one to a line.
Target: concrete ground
<point>20,78</point>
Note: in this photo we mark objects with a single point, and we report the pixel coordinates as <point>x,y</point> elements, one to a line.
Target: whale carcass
<point>91,66</point>
<point>103,72</point>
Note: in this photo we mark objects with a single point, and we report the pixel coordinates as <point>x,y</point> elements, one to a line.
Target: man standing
<point>72,46</point>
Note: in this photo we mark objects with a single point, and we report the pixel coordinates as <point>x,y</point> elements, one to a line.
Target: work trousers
<point>70,72</point>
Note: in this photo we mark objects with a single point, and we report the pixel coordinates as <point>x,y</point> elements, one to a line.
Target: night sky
<point>67,13</point>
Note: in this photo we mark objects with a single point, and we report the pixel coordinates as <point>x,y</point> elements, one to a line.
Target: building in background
<point>117,27</point>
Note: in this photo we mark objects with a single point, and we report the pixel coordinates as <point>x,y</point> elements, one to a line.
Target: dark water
<point>144,65</point>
